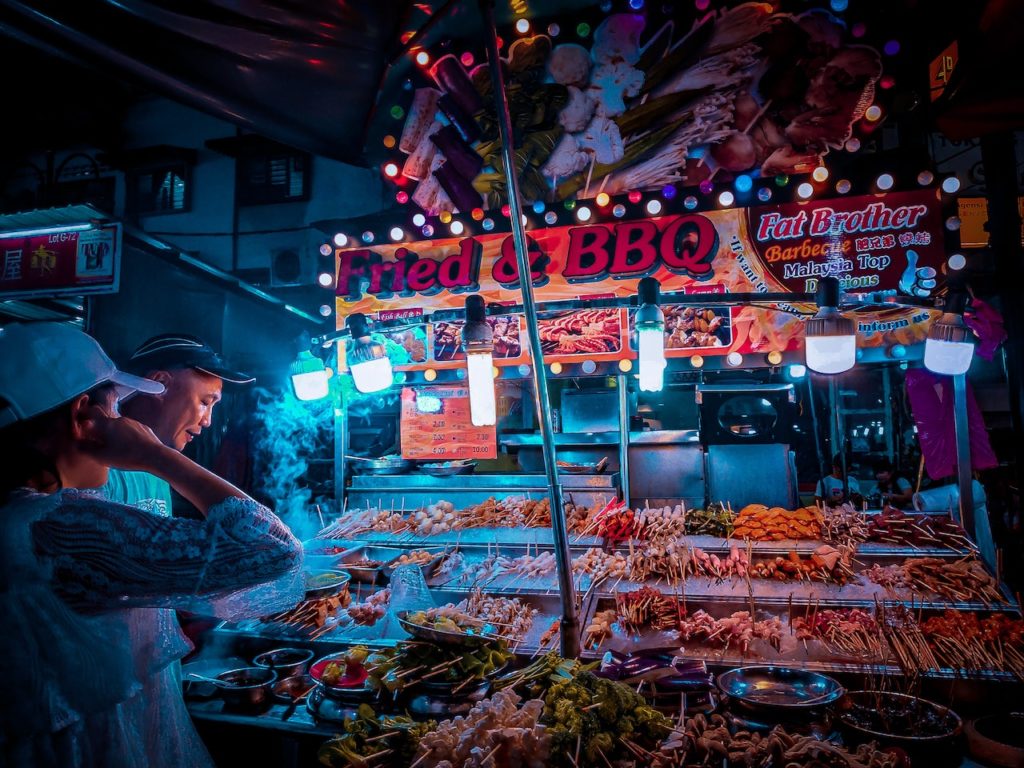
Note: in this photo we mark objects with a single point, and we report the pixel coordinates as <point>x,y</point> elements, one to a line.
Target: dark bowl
<point>248,687</point>
<point>997,739</point>
<point>285,661</point>
<point>939,727</point>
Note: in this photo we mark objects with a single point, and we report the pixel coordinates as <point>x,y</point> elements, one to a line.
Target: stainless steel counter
<point>661,437</point>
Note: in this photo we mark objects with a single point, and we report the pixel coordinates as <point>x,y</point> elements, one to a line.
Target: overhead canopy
<point>306,73</point>
<point>303,73</point>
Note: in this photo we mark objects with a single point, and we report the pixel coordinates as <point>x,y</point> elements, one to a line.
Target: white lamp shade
<point>831,354</point>
<point>482,407</point>
<point>651,358</point>
<point>310,386</point>
<point>372,375</point>
<point>948,358</point>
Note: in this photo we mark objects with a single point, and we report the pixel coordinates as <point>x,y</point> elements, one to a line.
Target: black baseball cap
<point>169,351</point>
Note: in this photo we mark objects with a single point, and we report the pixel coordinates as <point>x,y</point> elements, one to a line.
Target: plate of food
<point>447,468</point>
<point>345,670</point>
<point>445,625</point>
<point>426,559</point>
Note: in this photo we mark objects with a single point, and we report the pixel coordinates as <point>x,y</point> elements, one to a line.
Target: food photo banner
<point>880,243</point>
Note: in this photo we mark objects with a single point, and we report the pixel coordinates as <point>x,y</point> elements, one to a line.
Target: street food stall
<point>601,463</point>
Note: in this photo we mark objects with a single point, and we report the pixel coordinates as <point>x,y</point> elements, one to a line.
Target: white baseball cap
<point>44,365</point>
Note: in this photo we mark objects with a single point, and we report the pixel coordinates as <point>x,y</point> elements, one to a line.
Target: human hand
<point>122,443</point>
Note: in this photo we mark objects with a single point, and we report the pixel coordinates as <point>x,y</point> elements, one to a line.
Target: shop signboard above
<point>890,244</point>
<point>64,261</point>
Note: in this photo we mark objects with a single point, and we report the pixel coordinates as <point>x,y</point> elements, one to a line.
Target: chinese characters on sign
<point>78,262</point>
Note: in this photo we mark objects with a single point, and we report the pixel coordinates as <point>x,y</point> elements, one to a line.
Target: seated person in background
<point>895,491</point>
<point>830,488</point>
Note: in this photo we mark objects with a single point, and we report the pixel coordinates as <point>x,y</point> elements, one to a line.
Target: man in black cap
<point>193,375</point>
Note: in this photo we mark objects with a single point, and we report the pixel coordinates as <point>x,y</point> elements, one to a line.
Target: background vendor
<point>893,490</point>
<point>830,488</point>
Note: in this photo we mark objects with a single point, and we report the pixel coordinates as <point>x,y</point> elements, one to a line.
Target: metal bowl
<point>388,465</point>
<point>248,687</point>
<point>320,584</point>
<point>440,636</point>
<point>778,689</point>
<point>288,688</point>
<point>285,661</point>
<point>447,469</point>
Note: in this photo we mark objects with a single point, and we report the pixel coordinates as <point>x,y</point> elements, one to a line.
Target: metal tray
<point>441,636</point>
<point>427,568</point>
<point>446,469</point>
<point>384,466</point>
<point>769,688</point>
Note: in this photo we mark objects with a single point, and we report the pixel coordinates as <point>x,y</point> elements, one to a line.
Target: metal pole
<point>817,429</point>
<point>570,634</point>
<point>963,454</point>
<point>623,384</point>
<point>839,435</point>
<point>340,452</point>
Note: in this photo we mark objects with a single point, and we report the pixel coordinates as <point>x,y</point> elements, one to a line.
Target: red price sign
<point>436,426</point>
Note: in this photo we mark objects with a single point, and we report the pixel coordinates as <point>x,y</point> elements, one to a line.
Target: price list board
<point>436,426</point>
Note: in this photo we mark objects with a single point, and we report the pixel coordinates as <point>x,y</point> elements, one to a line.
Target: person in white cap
<point>71,561</point>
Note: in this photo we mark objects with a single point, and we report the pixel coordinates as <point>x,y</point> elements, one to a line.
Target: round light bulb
<point>418,219</point>
<point>885,181</point>
<point>326,279</point>
<point>457,227</point>
<point>653,207</point>
<point>583,213</point>
<point>341,239</point>
<point>805,190</point>
<point>734,359</point>
<point>397,233</point>
<point>950,185</point>
<point>726,198</point>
